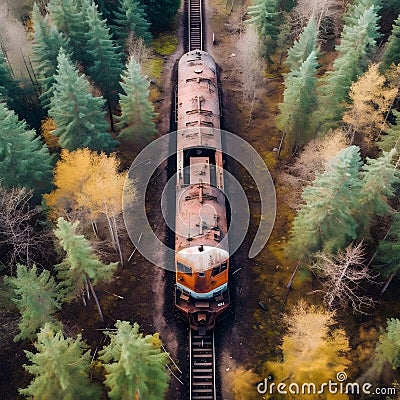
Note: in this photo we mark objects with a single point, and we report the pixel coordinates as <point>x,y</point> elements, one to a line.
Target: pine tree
<point>137,112</point>
<point>37,298</point>
<point>391,140</point>
<point>24,160</point>
<point>392,49</point>
<point>303,47</point>
<point>161,13</point>
<point>79,115</point>
<point>264,15</point>
<point>105,66</point>
<point>9,90</point>
<point>379,177</point>
<point>46,44</point>
<point>131,17</point>
<point>60,367</point>
<point>299,100</point>
<point>327,217</point>
<point>135,364</point>
<point>68,19</point>
<point>80,269</point>
<point>387,259</point>
<point>357,44</point>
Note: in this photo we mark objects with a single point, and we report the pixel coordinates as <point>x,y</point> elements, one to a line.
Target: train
<point>201,224</point>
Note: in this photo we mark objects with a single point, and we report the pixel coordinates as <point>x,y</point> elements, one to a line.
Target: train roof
<point>196,58</point>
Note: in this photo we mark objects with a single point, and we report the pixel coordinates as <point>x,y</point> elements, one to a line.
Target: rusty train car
<point>201,253</point>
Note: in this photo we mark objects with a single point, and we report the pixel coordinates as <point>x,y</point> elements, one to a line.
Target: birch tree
<point>88,186</point>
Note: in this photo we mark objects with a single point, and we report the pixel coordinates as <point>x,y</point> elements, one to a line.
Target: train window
<point>183,268</point>
<point>219,268</point>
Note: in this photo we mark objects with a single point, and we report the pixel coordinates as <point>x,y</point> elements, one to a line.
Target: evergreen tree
<point>161,13</point>
<point>388,252</point>
<point>105,67</point>
<point>135,364</point>
<point>24,160</point>
<point>379,177</point>
<point>37,298</point>
<point>303,47</point>
<point>9,90</point>
<point>79,115</point>
<point>391,139</point>
<point>392,49</point>
<point>264,15</point>
<point>60,367</point>
<point>327,217</point>
<point>80,268</point>
<point>299,100</point>
<point>131,17</point>
<point>357,44</point>
<point>137,112</point>
<point>46,44</point>
<point>69,21</point>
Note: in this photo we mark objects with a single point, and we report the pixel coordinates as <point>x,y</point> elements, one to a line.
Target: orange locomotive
<point>201,246</point>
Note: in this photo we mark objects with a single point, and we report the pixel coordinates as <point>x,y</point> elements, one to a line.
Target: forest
<point>313,85</point>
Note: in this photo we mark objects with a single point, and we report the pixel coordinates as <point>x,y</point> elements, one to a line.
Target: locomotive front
<point>201,246</point>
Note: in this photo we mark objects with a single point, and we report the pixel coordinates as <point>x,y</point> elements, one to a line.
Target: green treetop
<point>37,298</point>
<point>61,368</point>
<point>327,218</point>
<point>137,112</point>
<point>105,62</point>
<point>131,17</point>
<point>78,115</point>
<point>68,19</point>
<point>24,160</point>
<point>303,47</point>
<point>392,49</point>
<point>80,266</point>
<point>357,44</point>
<point>299,100</point>
<point>264,15</point>
<point>46,44</point>
<point>135,364</point>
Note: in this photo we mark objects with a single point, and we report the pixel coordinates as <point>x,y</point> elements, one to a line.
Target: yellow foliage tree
<point>47,128</point>
<point>372,98</point>
<point>88,186</point>
<point>313,353</point>
<point>243,383</point>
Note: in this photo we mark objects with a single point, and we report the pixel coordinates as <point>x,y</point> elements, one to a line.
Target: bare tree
<point>319,9</point>
<point>342,277</point>
<point>137,49</point>
<point>20,240</point>
<point>250,65</point>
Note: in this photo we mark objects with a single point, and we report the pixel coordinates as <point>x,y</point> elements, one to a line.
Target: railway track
<point>195,24</point>
<point>202,366</point>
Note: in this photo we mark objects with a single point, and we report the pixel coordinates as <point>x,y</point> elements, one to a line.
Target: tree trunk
<point>95,298</point>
